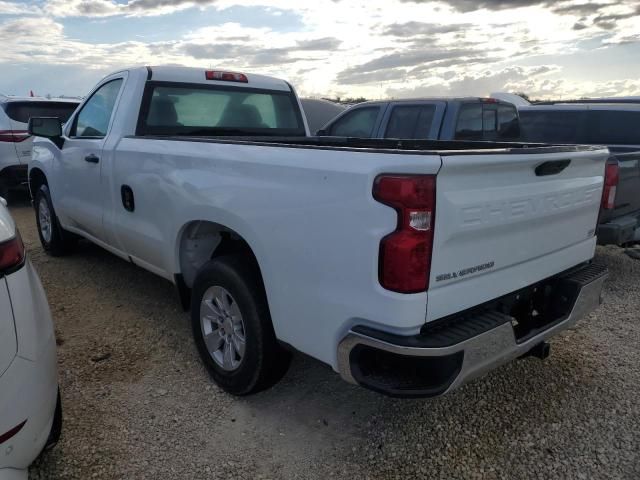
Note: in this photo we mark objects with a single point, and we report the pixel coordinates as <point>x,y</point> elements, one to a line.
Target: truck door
<point>79,196</point>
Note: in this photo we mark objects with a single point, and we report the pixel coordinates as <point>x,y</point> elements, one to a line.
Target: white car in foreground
<point>30,413</point>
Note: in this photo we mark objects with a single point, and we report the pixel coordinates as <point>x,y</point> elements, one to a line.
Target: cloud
<point>249,55</point>
<point>409,58</point>
<point>326,43</point>
<point>107,8</point>
<point>348,47</point>
<point>479,83</point>
<point>412,29</point>
<point>579,9</point>
<point>473,5</point>
<point>15,8</point>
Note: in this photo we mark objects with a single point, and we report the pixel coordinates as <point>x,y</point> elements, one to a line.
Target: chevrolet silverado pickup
<point>409,267</point>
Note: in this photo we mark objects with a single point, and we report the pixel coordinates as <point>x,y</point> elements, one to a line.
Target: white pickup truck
<point>408,266</point>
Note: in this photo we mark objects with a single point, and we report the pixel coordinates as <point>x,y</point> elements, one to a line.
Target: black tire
<point>60,242</point>
<point>264,362</point>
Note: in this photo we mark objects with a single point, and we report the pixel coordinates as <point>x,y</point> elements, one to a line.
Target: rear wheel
<point>232,327</point>
<point>54,239</point>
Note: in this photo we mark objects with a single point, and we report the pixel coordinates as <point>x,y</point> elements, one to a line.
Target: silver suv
<point>15,142</point>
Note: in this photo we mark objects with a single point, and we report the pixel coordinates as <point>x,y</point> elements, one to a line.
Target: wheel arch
<point>202,240</point>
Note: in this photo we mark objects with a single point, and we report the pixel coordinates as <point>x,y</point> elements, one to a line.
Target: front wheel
<point>54,239</point>
<point>232,327</point>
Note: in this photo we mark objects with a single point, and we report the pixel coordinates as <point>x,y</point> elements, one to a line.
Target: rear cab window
<point>487,121</point>
<point>194,109</point>
<point>21,112</point>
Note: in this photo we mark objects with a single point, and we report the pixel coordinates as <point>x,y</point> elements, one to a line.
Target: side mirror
<point>322,133</point>
<point>47,127</point>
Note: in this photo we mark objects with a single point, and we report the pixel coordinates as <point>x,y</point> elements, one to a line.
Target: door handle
<point>92,158</point>
<point>128,202</point>
<point>552,167</point>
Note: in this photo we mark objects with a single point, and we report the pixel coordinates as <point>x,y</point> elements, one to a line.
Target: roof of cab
<point>433,99</point>
<point>197,75</point>
<point>580,106</point>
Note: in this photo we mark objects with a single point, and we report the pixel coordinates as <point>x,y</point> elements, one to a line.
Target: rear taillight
<point>13,136</point>
<point>611,177</point>
<point>405,255</point>
<point>11,254</point>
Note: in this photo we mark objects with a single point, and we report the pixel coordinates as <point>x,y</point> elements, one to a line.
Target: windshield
<point>213,110</point>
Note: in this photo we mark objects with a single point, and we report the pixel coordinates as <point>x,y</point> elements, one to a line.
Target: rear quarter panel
<point>307,213</point>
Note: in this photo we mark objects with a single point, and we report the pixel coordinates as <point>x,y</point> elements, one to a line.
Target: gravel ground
<point>139,405</point>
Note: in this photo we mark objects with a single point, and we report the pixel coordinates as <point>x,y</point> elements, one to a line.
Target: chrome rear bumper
<point>472,356</point>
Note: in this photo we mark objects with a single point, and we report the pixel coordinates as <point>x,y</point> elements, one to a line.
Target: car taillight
<point>611,178</point>
<point>13,136</point>
<point>11,254</point>
<point>11,433</point>
<point>405,255</point>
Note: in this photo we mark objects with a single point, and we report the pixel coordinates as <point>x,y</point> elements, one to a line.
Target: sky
<point>328,48</point>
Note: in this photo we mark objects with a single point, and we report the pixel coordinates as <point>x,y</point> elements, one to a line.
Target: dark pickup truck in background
<point>614,123</point>
<point>467,118</point>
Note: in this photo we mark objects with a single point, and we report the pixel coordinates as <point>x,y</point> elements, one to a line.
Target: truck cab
<point>466,118</point>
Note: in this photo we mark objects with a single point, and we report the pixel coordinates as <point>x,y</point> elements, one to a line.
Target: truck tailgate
<point>509,220</point>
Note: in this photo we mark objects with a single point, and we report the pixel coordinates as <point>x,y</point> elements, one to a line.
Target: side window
<point>470,124</point>
<point>551,126</point>
<point>614,127</point>
<point>480,121</point>
<point>93,119</point>
<point>410,121</point>
<point>357,123</point>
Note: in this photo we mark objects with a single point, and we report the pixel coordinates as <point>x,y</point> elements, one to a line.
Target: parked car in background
<point>468,118</point>
<point>409,268</point>
<point>30,410</point>
<point>319,111</point>
<point>15,142</point>
<point>614,123</point>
